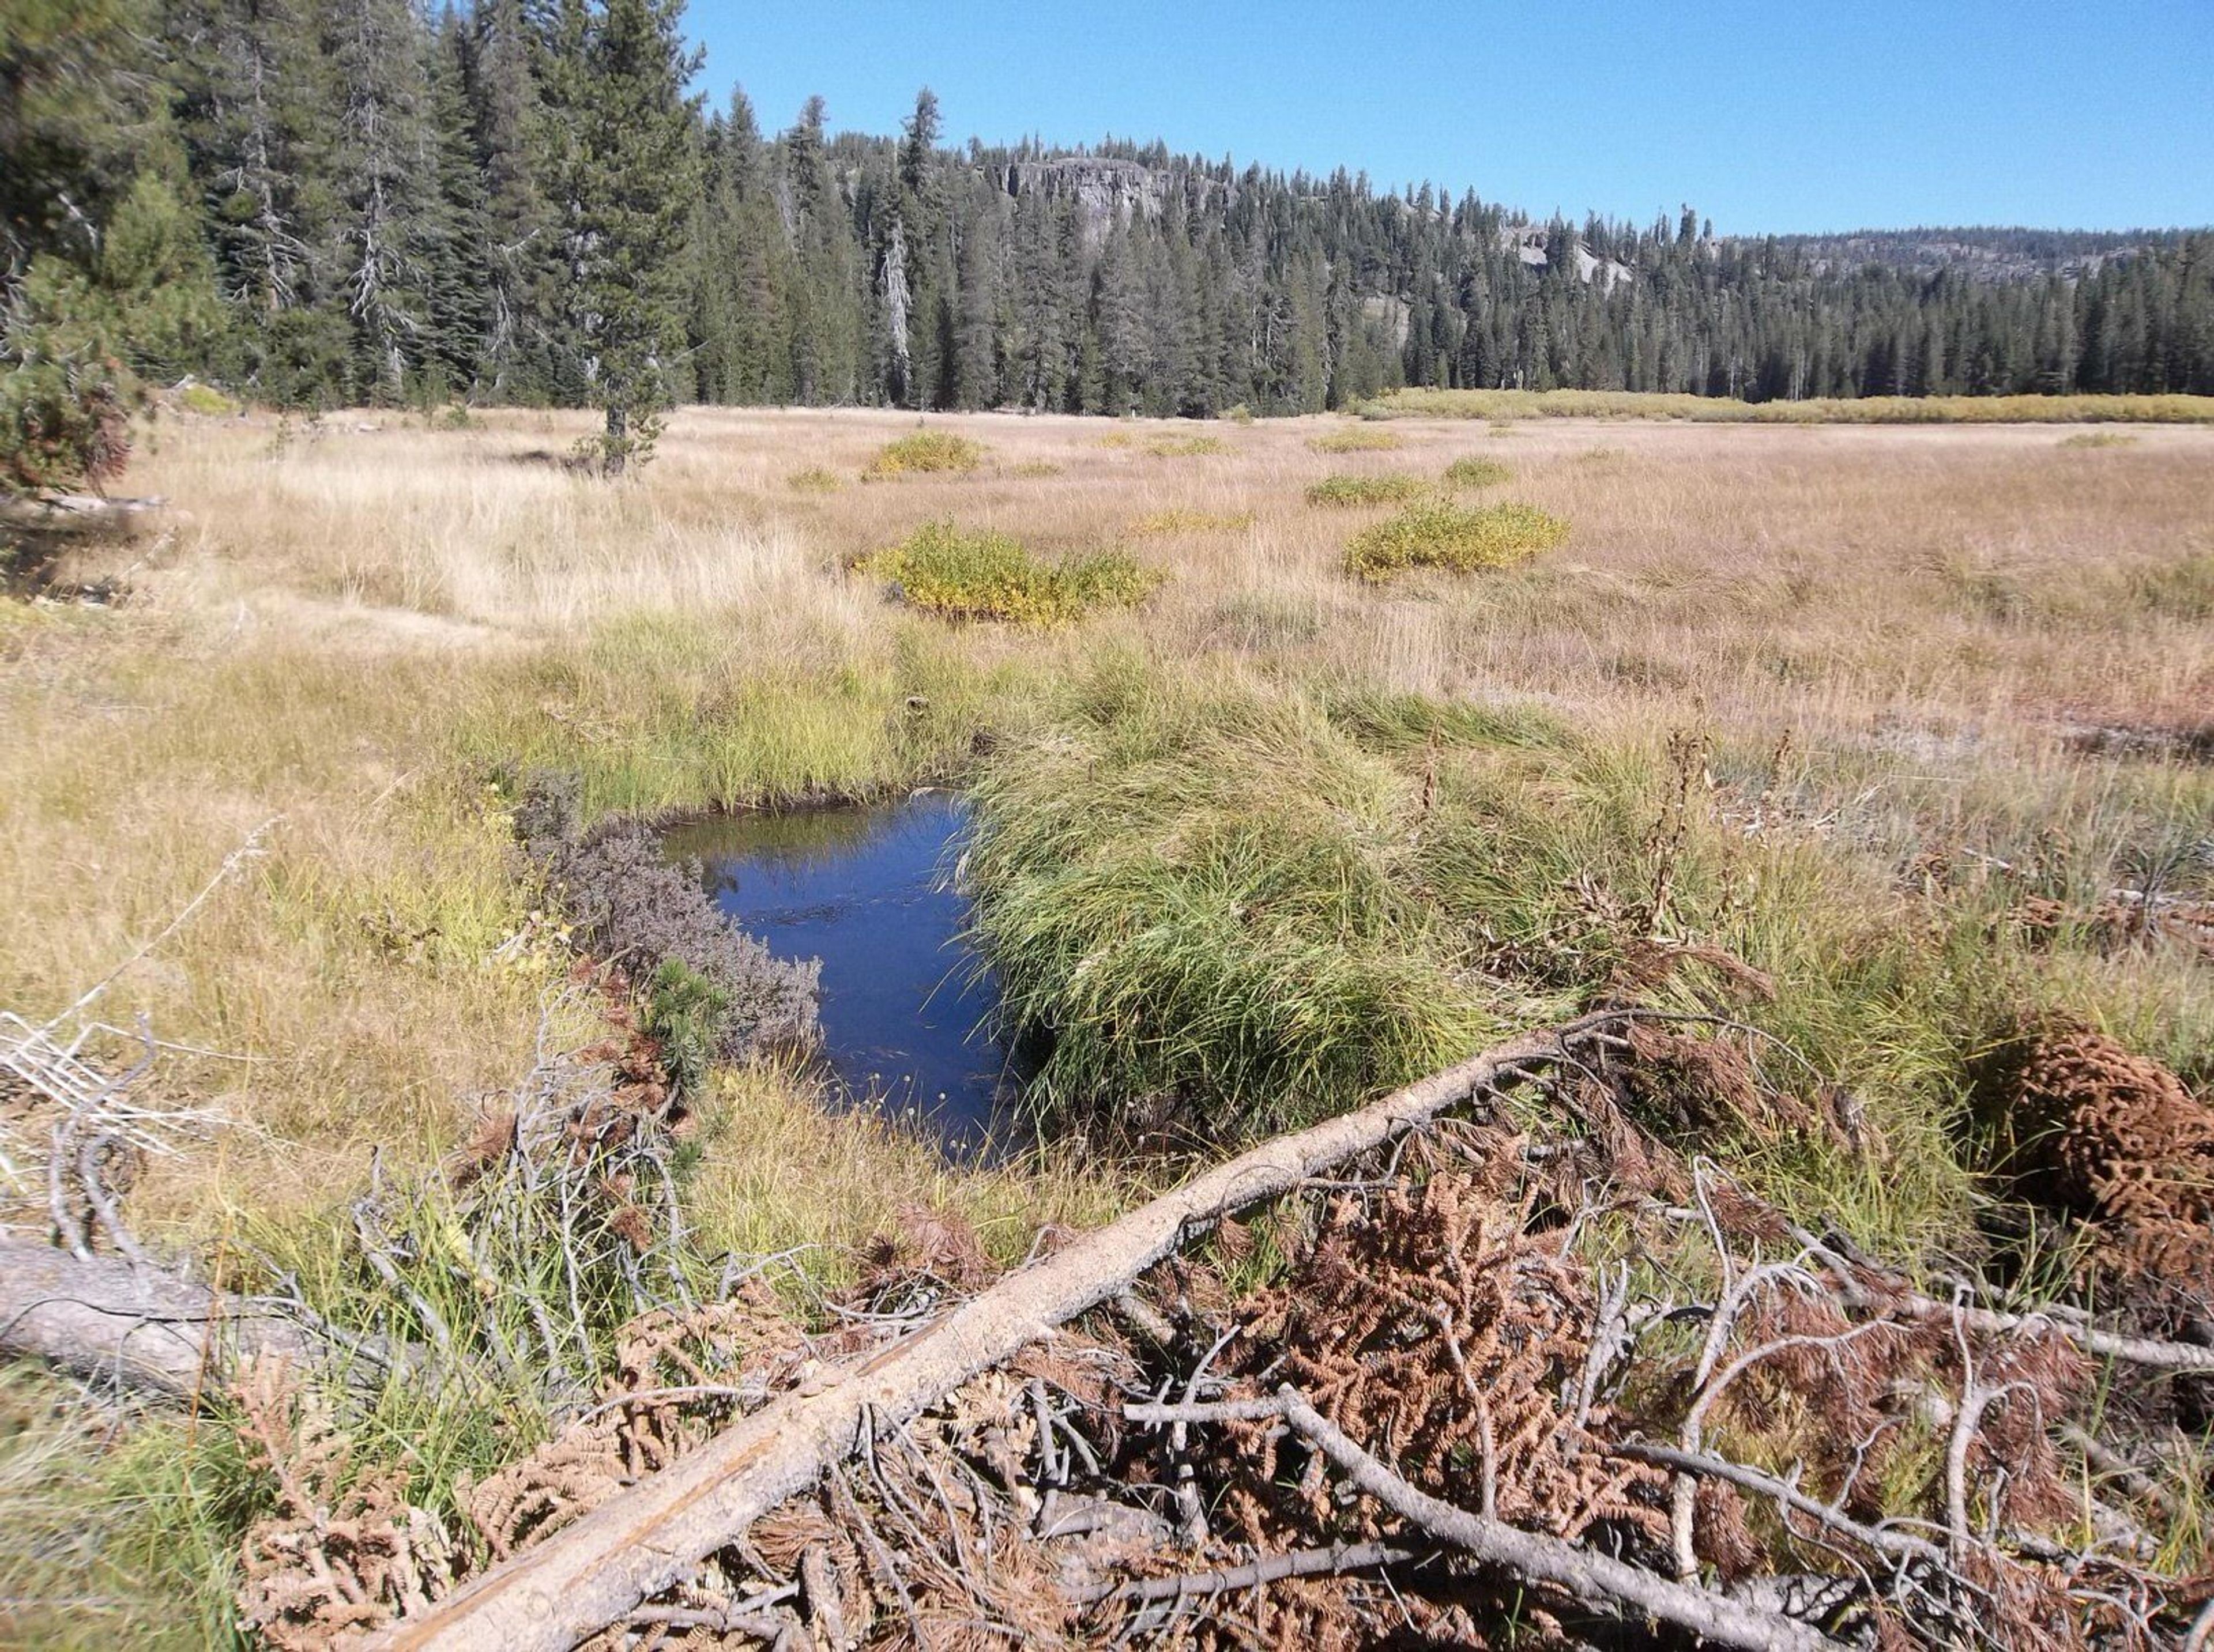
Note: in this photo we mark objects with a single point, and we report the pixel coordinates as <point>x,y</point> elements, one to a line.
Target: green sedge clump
<point>1439,533</point>
<point>924,453</point>
<point>1363,490</point>
<point>1476,473</point>
<point>1185,447</point>
<point>983,574</point>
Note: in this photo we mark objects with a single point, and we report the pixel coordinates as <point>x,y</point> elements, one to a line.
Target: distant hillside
<point>1982,254</point>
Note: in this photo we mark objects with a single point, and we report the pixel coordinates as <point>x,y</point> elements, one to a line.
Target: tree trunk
<point>615,447</point>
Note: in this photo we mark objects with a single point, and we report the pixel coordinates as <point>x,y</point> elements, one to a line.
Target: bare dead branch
<point>1598,1580</point>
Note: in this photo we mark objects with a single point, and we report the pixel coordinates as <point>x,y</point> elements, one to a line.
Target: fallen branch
<point>590,1574</point>
<point>1596,1579</point>
<point>1786,1496</point>
<point>1331,1560</point>
<point>2150,1352</point>
<point>139,1327</point>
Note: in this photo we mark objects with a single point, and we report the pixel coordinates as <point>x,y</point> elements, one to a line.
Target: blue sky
<point>1781,116</point>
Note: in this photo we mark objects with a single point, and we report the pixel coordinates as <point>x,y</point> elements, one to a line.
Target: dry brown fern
<point>1442,1327</point>
<point>2087,1126</point>
<point>344,1552</point>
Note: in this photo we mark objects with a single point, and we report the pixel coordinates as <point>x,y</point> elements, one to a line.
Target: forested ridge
<point>323,202</point>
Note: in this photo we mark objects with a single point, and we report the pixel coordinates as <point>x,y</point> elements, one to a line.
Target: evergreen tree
<point>623,178</point>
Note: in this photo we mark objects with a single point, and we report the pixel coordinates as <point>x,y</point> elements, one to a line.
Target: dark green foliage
<point>518,201</point>
<point>685,1012</point>
<point>624,165</point>
<point>102,271</point>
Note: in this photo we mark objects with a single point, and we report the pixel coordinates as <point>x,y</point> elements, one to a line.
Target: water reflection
<point>864,890</point>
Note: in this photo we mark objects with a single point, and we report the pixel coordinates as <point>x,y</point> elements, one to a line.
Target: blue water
<point>904,1009</point>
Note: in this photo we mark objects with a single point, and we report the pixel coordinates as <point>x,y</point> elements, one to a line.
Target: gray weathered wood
<point>112,1320</point>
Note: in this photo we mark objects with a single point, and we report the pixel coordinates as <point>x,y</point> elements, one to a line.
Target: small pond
<point>904,1010</point>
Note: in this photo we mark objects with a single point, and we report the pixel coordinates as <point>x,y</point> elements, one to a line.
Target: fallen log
<point>592,1574</point>
<point>112,1320</point>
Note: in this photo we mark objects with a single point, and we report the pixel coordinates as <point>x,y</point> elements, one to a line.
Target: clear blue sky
<point>1791,116</point>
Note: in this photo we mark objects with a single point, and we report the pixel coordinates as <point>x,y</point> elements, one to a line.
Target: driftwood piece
<point>631,1548</point>
<point>115,1322</point>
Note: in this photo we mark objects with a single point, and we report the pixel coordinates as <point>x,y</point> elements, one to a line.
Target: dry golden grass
<point>347,628</point>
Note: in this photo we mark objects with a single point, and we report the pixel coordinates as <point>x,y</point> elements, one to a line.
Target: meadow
<point>1794,720</point>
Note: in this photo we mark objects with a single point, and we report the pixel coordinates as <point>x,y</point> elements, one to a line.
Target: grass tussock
<point>1474,472</point>
<point>1460,539</point>
<point>1357,441</point>
<point>1034,470</point>
<point>1182,519</point>
<point>1239,905</point>
<point>982,574</point>
<point>2099,439</point>
<point>925,453</point>
<point>1358,490</point>
<point>1186,447</point>
<point>814,480</point>
<point>1864,410</point>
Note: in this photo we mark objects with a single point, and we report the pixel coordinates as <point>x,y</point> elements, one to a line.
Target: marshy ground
<point>1874,736</point>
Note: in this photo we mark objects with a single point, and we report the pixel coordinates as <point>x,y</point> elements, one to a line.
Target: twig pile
<point>1498,1388</point>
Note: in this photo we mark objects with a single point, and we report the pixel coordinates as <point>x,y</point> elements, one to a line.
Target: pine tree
<point>623,180</point>
<point>510,137</point>
<point>387,162</point>
<point>104,268</point>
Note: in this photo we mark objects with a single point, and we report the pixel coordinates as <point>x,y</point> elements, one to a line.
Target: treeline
<point>343,201</point>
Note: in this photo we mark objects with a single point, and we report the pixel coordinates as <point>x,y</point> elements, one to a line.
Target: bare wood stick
<point>2148,1351</point>
<point>1331,1560</point>
<point>1768,1485</point>
<point>1597,1579</point>
<point>638,1544</point>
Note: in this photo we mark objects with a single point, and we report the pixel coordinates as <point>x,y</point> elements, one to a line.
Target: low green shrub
<point>685,1012</point>
<point>1031,468</point>
<point>1477,472</point>
<point>1439,533</point>
<point>206,400</point>
<point>1390,490</point>
<point>982,574</point>
<point>2098,439</point>
<point>926,453</point>
<point>1185,447</point>
<point>814,480</point>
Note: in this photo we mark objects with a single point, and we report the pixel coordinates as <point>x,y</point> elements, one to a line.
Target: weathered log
<point>142,1328</point>
<point>590,1574</point>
